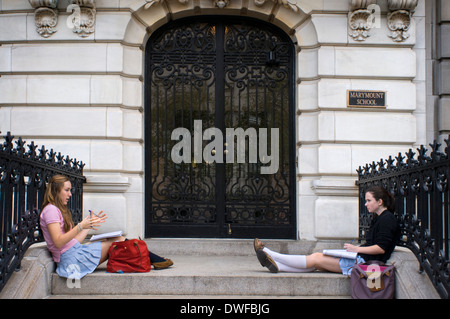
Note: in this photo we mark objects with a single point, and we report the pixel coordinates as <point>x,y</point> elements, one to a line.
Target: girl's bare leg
<point>323,262</point>
<point>303,263</point>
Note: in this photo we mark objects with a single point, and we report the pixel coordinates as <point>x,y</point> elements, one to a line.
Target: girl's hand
<point>100,215</point>
<point>93,221</point>
<point>351,248</point>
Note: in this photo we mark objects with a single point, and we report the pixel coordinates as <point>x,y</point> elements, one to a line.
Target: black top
<point>384,231</point>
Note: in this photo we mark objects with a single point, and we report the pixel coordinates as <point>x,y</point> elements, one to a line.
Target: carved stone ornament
<point>409,5</point>
<point>399,22</point>
<point>361,19</point>
<point>43,3</point>
<point>361,4</point>
<point>152,2</point>
<point>399,19</point>
<point>291,4</point>
<point>359,25</point>
<point>45,16</point>
<point>221,3</point>
<point>82,20</point>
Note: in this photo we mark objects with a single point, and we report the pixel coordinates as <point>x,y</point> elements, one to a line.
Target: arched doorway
<point>217,87</point>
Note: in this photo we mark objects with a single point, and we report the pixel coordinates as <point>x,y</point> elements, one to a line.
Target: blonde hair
<point>54,187</point>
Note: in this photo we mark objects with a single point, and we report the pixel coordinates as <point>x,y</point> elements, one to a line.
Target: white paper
<point>340,253</point>
<point>106,235</point>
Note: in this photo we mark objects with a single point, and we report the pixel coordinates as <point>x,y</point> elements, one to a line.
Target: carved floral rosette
<point>45,16</point>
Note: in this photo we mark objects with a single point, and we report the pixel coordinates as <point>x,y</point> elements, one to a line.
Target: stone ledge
<point>33,280</point>
<point>207,275</point>
<point>410,284</point>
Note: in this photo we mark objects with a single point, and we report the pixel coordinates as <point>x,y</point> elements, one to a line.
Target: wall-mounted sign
<point>363,98</point>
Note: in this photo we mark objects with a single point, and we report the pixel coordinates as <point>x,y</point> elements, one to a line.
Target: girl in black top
<point>384,230</point>
<point>380,242</point>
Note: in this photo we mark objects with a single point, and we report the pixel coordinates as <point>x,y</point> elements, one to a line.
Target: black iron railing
<point>421,189</point>
<point>23,178</point>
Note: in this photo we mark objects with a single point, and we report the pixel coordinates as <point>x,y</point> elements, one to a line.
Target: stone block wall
<point>83,96</point>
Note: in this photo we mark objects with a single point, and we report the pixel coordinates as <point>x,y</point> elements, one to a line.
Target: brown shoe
<point>257,244</point>
<point>267,261</point>
<point>163,264</point>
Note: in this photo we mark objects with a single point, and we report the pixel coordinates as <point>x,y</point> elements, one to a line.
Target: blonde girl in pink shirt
<point>74,260</point>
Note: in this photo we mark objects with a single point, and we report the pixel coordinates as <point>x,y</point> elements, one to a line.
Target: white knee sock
<point>285,268</point>
<point>289,263</point>
<point>296,261</point>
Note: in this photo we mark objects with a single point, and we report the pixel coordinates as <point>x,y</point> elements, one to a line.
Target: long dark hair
<point>379,192</point>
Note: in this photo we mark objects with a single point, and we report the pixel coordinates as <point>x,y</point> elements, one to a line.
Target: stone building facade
<point>73,78</point>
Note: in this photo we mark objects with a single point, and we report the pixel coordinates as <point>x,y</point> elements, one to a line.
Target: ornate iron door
<point>219,73</point>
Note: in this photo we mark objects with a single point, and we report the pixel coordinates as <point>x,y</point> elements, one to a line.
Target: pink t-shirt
<point>49,215</point>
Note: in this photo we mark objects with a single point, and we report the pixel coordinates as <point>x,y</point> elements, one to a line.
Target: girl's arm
<point>368,250</point>
<point>82,235</point>
<point>58,238</point>
<point>78,232</point>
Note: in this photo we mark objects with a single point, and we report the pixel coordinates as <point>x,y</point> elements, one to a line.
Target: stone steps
<point>209,268</point>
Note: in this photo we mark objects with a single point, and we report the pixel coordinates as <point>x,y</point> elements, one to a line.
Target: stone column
<point>442,70</point>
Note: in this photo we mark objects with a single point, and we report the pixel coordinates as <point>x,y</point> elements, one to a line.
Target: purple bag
<point>372,280</point>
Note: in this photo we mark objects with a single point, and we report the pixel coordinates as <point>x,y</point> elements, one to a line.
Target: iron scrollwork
<point>257,84</point>
<point>24,173</point>
<point>420,186</point>
<point>182,72</point>
<point>228,75</point>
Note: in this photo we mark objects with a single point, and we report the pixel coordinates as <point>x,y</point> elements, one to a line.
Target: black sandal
<point>266,261</point>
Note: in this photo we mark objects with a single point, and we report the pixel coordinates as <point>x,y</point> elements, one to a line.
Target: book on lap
<point>340,253</point>
<point>106,235</point>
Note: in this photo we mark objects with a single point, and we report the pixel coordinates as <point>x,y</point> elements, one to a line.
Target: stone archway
<point>295,21</point>
<point>232,75</point>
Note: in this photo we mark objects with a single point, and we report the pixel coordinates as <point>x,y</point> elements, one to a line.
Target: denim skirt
<point>79,260</point>
<point>347,264</point>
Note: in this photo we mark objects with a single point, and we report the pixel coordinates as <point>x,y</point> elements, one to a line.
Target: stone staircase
<point>210,268</point>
